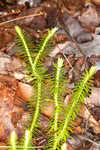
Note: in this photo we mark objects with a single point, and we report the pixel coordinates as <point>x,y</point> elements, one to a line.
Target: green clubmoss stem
<point>56,99</point>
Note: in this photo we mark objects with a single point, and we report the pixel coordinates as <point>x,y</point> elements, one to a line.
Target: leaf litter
<point>77,41</point>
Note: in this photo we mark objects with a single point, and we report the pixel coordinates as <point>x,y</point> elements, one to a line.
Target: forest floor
<point>77,41</point>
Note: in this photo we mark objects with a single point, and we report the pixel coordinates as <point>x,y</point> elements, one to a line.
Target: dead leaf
<point>89,17</point>
<point>3,144</point>
<point>94,97</point>
<point>73,28</point>
<point>47,108</point>
<point>97,79</point>
<point>24,91</point>
<point>97,2</point>
<point>91,120</point>
<point>74,5</point>
<point>36,22</point>
<point>11,116</point>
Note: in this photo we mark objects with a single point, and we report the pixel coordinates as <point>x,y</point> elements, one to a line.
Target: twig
<point>10,47</point>
<point>91,141</point>
<point>68,61</point>
<point>75,43</point>
<point>78,47</point>
<point>20,18</point>
<point>65,57</point>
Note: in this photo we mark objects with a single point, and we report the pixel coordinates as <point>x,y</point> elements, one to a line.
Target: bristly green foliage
<point>57,101</point>
<point>23,42</point>
<point>81,90</point>
<point>61,131</point>
<point>26,50</point>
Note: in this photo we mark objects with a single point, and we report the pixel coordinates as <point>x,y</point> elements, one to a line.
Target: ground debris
<point>77,41</point>
<point>12,116</point>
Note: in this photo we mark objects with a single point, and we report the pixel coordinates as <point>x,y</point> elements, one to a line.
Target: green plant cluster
<point>33,64</point>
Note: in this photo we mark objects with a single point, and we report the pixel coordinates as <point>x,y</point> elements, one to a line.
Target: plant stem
<point>36,74</point>
<point>37,105</point>
<point>76,99</point>
<point>56,99</point>
<point>49,36</point>
<point>13,140</point>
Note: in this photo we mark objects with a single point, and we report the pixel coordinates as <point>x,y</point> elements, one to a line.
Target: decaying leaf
<point>24,91</point>
<point>91,120</point>
<point>12,116</point>
<point>94,98</point>
<point>97,78</point>
<point>97,2</point>
<point>89,18</point>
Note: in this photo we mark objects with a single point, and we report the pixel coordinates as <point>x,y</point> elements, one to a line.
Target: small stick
<point>20,18</point>
<point>78,47</point>
<point>75,43</point>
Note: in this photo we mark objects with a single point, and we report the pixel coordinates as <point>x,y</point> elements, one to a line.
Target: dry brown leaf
<point>89,18</point>
<point>73,4</point>
<point>24,91</point>
<point>3,144</point>
<point>91,120</point>
<point>94,98</point>
<point>97,2</point>
<point>97,78</point>
<point>47,108</point>
<point>11,116</point>
<point>35,22</point>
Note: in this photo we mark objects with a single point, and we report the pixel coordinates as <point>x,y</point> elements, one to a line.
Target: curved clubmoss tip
<point>51,32</point>
<point>54,30</point>
<point>60,62</point>
<point>92,70</point>
<point>18,29</point>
